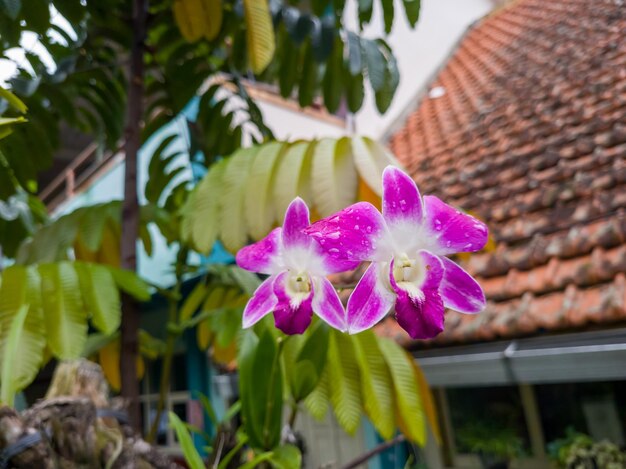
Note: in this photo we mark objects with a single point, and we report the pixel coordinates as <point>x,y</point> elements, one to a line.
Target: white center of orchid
<point>409,274</point>
<point>298,288</point>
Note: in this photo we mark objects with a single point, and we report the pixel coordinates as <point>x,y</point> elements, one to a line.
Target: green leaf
<point>293,177</point>
<point>65,317</point>
<point>212,15</point>
<point>202,210</point>
<point>10,353</point>
<point>384,96</point>
<point>247,281</point>
<point>15,102</point>
<point>317,402</point>
<point>310,362</point>
<point>388,14</point>
<point>131,283</point>
<point>334,180</point>
<point>370,159</point>
<point>96,341</point>
<point>258,460</point>
<point>344,382</point>
<point>407,397</point>
<point>355,92</point>
<point>288,72</point>
<point>193,301</point>
<point>354,53</point>
<point>376,64</point>
<point>192,457</point>
<point>375,383</point>
<point>308,77</point>
<point>12,8</point>
<point>286,457</point>
<point>412,10</point>
<point>259,34</point>
<point>262,401</point>
<point>333,78</point>
<point>245,360</point>
<point>100,295</point>
<point>259,211</point>
<point>234,226</point>
<point>20,286</point>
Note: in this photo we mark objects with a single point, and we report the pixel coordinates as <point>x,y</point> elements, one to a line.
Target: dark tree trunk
<point>130,212</point>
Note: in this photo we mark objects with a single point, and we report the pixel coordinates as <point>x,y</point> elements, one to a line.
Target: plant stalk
<point>356,462</point>
<point>172,335</point>
<point>130,213</point>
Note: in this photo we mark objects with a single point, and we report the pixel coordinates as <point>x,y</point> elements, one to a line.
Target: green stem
<point>293,415</point>
<point>173,333</point>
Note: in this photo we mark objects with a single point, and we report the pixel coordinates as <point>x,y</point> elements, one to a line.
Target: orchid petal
<point>453,231</point>
<point>356,233</point>
<point>370,301</point>
<point>459,290</point>
<point>262,256</point>
<point>327,305</point>
<point>262,302</point>
<point>419,309</point>
<point>422,317</point>
<point>402,203</point>
<point>296,220</point>
<point>293,311</point>
<point>332,265</point>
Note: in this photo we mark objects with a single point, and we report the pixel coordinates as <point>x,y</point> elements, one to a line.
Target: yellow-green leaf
<point>65,317</point>
<point>407,397</point>
<point>371,158</point>
<point>21,286</point>
<point>10,353</point>
<point>293,177</point>
<point>234,226</point>
<point>258,202</point>
<point>317,402</point>
<point>193,301</point>
<point>188,18</point>
<point>100,295</point>
<point>344,382</point>
<point>259,34</point>
<point>204,209</point>
<point>334,176</point>
<point>375,383</point>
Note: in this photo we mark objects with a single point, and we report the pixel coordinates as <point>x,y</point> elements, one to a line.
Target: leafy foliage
<point>325,173</point>
<point>59,310</point>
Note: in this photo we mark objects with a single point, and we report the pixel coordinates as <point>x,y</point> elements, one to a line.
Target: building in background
<point>525,127</point>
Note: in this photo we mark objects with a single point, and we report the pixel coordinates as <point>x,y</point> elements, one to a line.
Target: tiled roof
<point>526,128</point>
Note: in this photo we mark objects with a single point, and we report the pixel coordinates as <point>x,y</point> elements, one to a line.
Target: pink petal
<point>402,203</point>
<point>454,231</point>
<point>421,314</point>
<point>370,301</point>
<point>459,289</point>
<point>333,265</point>
<point>291,315</point>
<point>356,233</point>
<point>422,317</point>
<point>261,256</point>
<point>296,220</point>
<point>434,268</point>
<point>327,305</point>
<point>262,302</point>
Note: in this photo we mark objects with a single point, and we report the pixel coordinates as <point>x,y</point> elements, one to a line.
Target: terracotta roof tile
<point>530,135</point>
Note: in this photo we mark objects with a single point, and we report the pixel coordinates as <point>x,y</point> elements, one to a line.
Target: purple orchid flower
<point>407,246</point>
<point>297,285</point>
